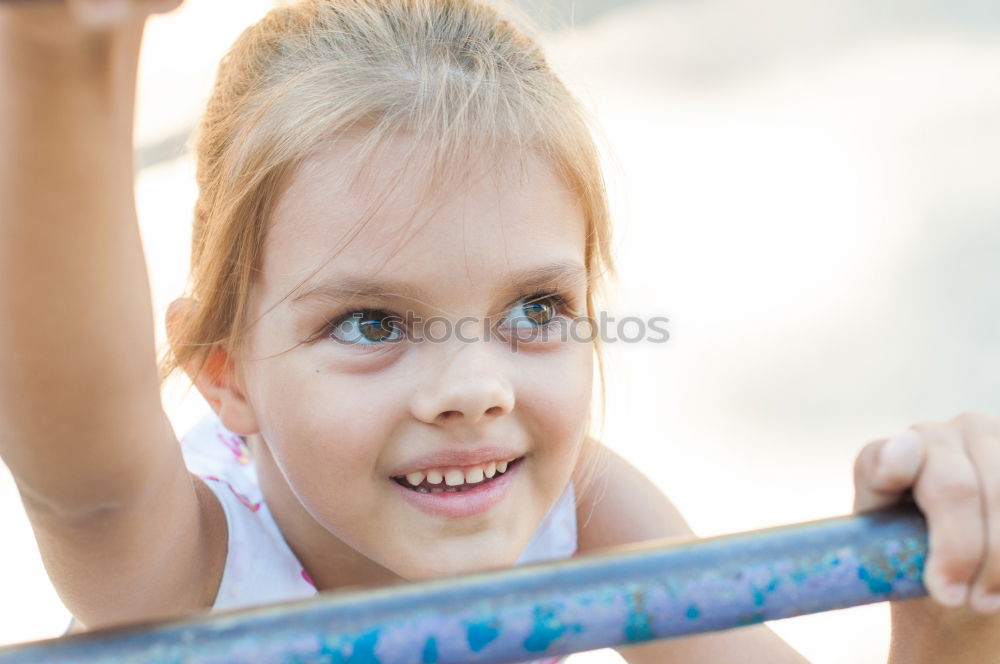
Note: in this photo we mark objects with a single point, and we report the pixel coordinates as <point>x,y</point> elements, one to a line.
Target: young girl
<point>400,215</point>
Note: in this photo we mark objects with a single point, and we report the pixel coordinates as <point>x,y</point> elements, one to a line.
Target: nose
<point>468,387</point>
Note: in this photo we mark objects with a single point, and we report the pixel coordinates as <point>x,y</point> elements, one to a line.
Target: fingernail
<point>986,603</point>
<point>951,594</point>
<point>901,451</point>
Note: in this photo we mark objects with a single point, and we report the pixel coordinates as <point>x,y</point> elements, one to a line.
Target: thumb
<point>97,14</point>
<point>103,14</point>
<point>885,469</point>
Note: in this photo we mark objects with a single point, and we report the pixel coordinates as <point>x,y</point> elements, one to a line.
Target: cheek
<point>557,390</point>
<point>337,422</point>
<point>570,379</point>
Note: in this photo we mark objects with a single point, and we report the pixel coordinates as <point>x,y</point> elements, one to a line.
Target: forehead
<point>490,218</point>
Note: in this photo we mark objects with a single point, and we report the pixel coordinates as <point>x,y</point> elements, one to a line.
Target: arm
<point>623,489</point>
<point>123,531</point>
<point>924,632</point>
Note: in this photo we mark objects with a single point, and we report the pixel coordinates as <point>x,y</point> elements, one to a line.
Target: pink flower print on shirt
<point>250,505</point>
<point>236,445</point>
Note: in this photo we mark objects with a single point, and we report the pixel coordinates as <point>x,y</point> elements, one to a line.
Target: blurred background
<point>809,191</point>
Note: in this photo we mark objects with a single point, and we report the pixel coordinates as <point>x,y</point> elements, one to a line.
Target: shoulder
<point>258,567</point>
<point>623,506</point>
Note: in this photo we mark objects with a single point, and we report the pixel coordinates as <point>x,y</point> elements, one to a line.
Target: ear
<point>217,377</point>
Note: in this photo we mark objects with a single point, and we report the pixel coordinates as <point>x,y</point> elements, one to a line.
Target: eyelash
<point>561,306</point>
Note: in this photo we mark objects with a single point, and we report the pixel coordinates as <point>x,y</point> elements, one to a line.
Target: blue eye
<point>534,311</point>
<point>366,327</point>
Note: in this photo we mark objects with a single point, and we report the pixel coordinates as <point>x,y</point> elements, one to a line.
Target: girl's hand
<point>953,471</point>
<point>103,14</point>
<point>56,22</point>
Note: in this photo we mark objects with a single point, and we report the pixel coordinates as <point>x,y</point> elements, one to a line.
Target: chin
<point>439,566</point>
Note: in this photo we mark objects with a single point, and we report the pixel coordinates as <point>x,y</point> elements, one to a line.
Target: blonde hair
<point>456,74</point>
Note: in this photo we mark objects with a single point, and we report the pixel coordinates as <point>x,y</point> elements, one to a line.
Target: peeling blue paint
<point>876,582</point>
<point>356,650</point>
<point>918,564</point>
<point>546,628</point>
<point>480,634</point>
<point>364,649</point>
<point>637,622</point>
<point>752,619</point>
<point>430,653</point>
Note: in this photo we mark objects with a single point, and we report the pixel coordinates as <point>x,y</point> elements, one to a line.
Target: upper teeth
<point>457,476</point>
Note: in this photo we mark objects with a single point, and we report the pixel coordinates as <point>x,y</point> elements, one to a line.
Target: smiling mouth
<point>455,480</point>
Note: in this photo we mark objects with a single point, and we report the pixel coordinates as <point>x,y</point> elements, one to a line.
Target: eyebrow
<point>562,275</point>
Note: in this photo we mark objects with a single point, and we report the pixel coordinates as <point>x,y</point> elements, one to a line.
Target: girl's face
<point>345,406</point>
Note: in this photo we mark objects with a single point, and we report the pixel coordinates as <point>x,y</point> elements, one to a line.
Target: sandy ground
<point>809,191</point>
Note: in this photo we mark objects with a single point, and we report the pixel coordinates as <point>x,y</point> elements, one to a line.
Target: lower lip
<point>458,504</point>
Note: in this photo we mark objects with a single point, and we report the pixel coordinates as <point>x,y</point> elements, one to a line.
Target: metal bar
<point>618,597</point>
